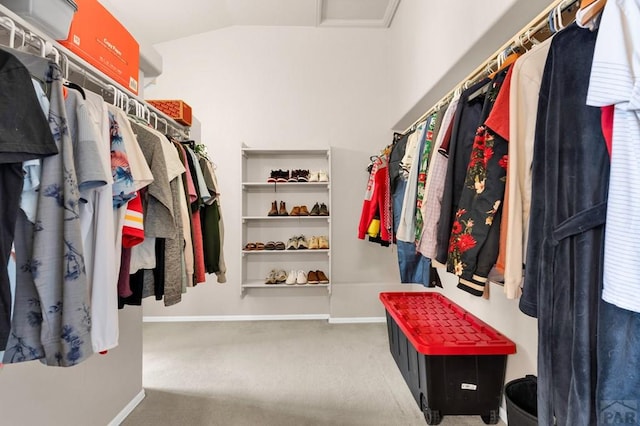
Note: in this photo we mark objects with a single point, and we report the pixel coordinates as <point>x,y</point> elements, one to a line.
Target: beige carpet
<point>286,373</point>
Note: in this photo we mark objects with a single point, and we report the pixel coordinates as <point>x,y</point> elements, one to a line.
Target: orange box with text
<point>100,39</point>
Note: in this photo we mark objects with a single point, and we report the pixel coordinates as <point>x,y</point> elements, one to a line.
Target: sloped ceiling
<point>152,21</point>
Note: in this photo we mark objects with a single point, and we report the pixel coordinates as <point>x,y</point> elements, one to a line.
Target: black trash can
<point>522,401</point>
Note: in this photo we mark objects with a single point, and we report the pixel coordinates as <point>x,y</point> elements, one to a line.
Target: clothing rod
<point>538,24</point>
<point>65,58</point>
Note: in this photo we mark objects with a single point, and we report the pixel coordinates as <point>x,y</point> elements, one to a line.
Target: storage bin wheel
<point>492,418</point>
<point>432,417</point>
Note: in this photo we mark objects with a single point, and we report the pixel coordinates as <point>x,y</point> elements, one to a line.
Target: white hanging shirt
<point>615,80</point>
<point>99,239</point>
<point>526,78</point>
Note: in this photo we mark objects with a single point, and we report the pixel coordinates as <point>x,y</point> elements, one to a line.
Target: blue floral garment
<point>55,323</point>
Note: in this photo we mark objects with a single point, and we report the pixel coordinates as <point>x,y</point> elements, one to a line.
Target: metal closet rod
<point>526,34</point>
<point>143,110</point>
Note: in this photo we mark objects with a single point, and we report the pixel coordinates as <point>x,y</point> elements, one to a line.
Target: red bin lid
<point>437,326</point>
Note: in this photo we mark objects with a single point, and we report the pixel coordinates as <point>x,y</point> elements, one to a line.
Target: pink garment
<point>196,226</point>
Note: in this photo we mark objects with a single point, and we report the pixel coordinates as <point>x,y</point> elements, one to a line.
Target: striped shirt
<point>615,80</point>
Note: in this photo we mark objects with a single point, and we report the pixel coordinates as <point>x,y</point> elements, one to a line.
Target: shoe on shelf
<point>323,176</point>
<point>249,247</point>
<point>291,278</point>
<point>324,210</point>
<point>281,276</point>
<point>295,211</point>
<point>322,278</point>
<point>303,211</point>
<point>312,277</point>
<point>301,277</point>
<point>273,176</point>
<point>303,175</point>
<point>271,278</point>
<point>259,246</point>
<point>270,245</point>
<point>303,244</point>
<point>315,211</point>
<point>283,176</point>
<point>280,245</point>
<point>314,244</point>
<point>294,176</point>
<point>313,176</point>
<point>274,209</point>
<point>292,243</point>
<point>323,243</point>
<point>283,209</point>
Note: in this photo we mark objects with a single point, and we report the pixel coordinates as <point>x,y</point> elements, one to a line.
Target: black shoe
<point>294,176</point>
<point>315,211</point>
<point>324,211</point>
<point>303,175</point>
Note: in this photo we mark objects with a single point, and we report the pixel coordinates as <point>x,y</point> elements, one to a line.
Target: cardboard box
<point>100,39</point>
<point>174,108</point>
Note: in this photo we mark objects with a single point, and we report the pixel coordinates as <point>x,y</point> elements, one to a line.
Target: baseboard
<point>357,320</point>
<point>128,409</point>
<point>213,318</point>
<point>503,415</point>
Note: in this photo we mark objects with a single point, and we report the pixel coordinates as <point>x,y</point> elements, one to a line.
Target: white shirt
<point>407,226</point>
<point>526,78</point>
<point>99,239</point>
<point>615,80</point>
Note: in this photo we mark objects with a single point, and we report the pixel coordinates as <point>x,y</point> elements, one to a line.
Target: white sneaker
<point>291,278</point>
<point>302,277</point>
<point>323,176</point>
<point>314,176</point>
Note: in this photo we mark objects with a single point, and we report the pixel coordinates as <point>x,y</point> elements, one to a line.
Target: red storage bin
<point>453,363</point>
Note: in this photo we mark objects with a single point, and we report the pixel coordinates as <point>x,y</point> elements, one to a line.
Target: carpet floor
<point>274,373</point>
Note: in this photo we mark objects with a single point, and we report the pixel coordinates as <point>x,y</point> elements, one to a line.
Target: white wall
<point>91,393</point>
<point>286,87</point>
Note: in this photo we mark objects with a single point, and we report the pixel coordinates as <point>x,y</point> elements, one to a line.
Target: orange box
<point>100,39</point>
<point>176,109</point>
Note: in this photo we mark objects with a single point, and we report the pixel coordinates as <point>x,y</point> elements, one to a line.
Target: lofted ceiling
<point>152,21</point>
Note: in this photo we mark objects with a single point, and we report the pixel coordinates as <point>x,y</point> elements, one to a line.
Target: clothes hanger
<point>592,9</point>
<point>67,82</point>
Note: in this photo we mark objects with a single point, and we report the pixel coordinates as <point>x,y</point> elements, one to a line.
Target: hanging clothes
<point>434,189</point>
<point>468,117</point>
<point>375,202</point>
<point>563,277</point>
<point>525,88</point>
<point>55,325</point>
<point>410,166</point>
<point>24,135</point>
<point>613,87</point>
<point>423,169</point>
<point>473,248</point>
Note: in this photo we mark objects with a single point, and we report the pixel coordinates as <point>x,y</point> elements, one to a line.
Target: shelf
<point>304,251</point>
<point>284,152</point>
<point>277,185</point>
<point>282,285</point>
<point>244,218</point>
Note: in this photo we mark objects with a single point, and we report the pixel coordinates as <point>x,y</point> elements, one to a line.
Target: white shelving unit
<point>257,226</point>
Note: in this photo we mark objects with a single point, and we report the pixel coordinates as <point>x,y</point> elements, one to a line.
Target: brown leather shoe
<point>312,277</point>
<point>274,209</point>
<point>283,209</point>
<point>322,278</point>
<point>304,211</point>
<point>295,211</point>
